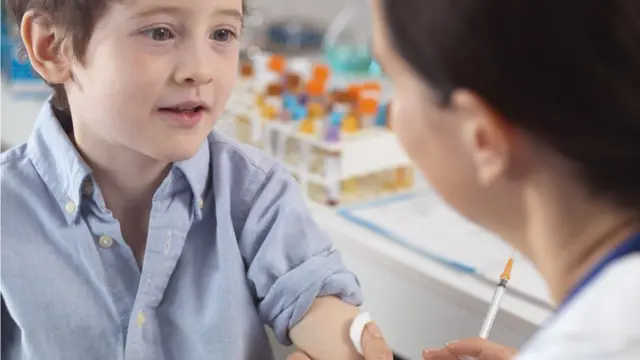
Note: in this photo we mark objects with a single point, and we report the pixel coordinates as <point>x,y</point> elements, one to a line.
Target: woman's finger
<point>438,354</point>
<point>373,344</point>
<point>481,349</point>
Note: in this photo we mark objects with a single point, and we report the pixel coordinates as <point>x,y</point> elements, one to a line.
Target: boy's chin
<point>176,152</point>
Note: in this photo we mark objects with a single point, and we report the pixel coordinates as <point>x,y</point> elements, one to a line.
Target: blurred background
<point>427,274</point>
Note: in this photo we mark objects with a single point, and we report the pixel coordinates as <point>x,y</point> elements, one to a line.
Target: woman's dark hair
<point>567,72</point>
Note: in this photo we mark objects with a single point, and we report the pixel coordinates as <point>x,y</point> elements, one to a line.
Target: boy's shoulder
<point>21,184</point>
<point>16,167</point>
<point>241,174</point>
<point>241,159</point>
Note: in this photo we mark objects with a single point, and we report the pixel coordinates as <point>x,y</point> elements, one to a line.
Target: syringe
<point>495,302</point>
<point>358,324</point>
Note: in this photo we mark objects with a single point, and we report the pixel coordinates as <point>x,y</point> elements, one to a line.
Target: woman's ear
<point>45,45</point>
<point>486,135</point>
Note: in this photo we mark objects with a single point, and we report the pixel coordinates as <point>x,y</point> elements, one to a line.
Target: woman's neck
<point>569,233</point>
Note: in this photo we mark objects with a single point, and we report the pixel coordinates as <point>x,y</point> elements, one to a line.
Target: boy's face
<point>156,75</point>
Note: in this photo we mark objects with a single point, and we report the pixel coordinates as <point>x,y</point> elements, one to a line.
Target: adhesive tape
<point>357,328</point>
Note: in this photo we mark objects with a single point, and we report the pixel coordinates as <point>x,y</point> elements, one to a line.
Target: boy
<point>129,230</point>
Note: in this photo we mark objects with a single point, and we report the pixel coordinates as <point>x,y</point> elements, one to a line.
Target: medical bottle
<point>347,42</point>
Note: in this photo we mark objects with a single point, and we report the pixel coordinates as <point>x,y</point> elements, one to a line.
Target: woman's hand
<point>373,346</point>
<point>475,348</point>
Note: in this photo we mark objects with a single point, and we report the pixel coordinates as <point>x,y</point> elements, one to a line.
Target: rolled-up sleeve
<point>290,260</point>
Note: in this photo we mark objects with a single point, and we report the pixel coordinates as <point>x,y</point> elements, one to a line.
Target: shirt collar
<point>196,171</point>
<point>64,171</point>
<point>57,161</point>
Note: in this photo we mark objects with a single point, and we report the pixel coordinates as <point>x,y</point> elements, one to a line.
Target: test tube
<point>381,116</point>
<point>263,73</point>
<point>300,114</point>
<point>281,147</point>
<point>255,121</point>
<point>273,101</point>
<point>292,83</point>
<point>316,92</point>
<point>302,67</point>
<point>333,127</point>
<point>247,74</point>
<point>304,164</point>
<point>370,98</point>
<point>342,101</point>
<point>368,110</point>
<point>332,173</point>
<point>355,91</point>
<point>350,123</point>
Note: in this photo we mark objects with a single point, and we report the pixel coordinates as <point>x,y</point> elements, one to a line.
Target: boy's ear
<point>44,43</point>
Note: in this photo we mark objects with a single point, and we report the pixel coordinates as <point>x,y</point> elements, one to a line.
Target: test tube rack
<point>337,143</point>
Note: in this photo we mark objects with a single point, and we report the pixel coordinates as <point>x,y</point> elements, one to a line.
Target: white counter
<point>418,303</point>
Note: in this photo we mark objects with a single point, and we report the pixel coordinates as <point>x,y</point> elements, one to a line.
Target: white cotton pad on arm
<point>357,328</point>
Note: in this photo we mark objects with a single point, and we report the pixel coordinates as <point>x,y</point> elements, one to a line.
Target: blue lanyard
<point>630,246</point>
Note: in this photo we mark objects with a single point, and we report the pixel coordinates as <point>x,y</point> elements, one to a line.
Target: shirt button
<point>70,207</point>
<point>105,241</point>
<point>140,319</point>
<point>200,203</point>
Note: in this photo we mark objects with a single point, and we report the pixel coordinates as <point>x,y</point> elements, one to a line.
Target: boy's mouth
<point>178,110</point>
<point>186,107</point>
<point>187,113</point>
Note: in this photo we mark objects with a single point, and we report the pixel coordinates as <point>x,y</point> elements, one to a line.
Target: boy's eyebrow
<point>178,10</point>
<point>231,12</point>
<point>158,10</point>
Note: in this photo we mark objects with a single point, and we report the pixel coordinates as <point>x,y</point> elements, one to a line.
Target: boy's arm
<point>323,333</point>
<point>295,273</point>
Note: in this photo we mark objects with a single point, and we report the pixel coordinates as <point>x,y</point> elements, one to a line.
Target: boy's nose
<point>197,81</point>
<point>197,77</point>
<point>196,68</point>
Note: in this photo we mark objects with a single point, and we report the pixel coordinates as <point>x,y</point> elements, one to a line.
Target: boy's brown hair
<point>77,18</point>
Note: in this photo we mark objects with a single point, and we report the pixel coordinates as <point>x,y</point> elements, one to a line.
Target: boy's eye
<point>222,35</point>
<point>159,34</point>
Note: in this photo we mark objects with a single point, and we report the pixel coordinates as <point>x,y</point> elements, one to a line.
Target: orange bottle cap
<point>321,72</point>
<point>354,90</point>
<point>368,106</point>
<point>246,70</point>
<point>316,88</point>
<point>275,90</point>
<point>293,82</point>
<point>277,63</point>
<point>372,86</point>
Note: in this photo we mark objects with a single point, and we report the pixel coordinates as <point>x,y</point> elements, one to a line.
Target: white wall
<point>320,10</point>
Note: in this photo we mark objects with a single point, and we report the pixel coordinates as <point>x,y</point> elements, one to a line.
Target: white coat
<point>601,323</point>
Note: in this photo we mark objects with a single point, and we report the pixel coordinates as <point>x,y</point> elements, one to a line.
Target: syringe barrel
<point>493,310</point>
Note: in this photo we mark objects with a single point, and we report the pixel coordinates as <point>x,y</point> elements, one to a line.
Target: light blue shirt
<point>231,246</point>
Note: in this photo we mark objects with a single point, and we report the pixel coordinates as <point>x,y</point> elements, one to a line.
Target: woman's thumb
<point>374,346</point>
